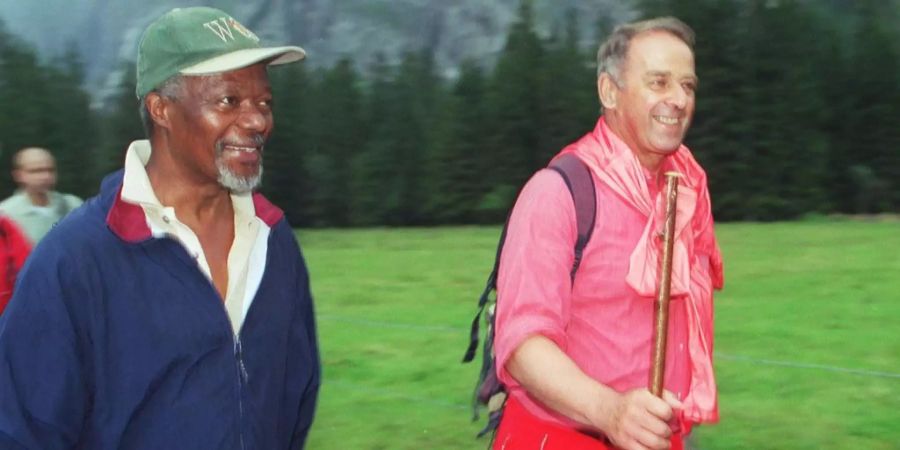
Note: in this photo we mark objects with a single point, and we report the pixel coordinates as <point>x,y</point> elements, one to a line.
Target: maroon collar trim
<point>266,211</point>
<point>129,222</point>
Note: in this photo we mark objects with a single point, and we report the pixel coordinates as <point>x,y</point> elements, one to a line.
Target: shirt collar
<point>137,189</point>
<point>126,216</point>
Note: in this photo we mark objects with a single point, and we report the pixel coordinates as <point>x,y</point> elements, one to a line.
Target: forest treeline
<point>797,114</point>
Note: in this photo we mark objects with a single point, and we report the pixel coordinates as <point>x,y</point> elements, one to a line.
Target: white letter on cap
<point>220,29</point>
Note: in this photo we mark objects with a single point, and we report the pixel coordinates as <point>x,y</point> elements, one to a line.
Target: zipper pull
<point>239,355</point>
<point>244,373</point>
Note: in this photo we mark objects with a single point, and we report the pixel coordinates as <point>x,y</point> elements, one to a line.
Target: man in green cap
<point>173,310</point>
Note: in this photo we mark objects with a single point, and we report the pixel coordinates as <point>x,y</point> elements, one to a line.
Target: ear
<point>608,91</point>
<point>159,109</point>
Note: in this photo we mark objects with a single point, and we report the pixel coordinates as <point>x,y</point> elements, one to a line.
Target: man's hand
<point>638,420</point>
<point>634,420</point>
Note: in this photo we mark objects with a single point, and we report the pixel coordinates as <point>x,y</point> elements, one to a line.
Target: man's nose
<point>679,97</point>
<point>254,118</point>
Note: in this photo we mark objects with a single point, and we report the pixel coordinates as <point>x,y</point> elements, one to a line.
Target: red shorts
<point>520,430</point>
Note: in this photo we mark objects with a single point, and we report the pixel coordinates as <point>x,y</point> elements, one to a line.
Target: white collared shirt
<point>250,234</point>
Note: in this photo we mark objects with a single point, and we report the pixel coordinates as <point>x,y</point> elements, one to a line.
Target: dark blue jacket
<point>116,340</point>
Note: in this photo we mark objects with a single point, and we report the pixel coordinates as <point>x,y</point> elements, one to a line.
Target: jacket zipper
<point>242,375</point>
<point>242,378</point>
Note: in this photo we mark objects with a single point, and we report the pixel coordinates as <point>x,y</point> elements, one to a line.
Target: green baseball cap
<point>200,41</point>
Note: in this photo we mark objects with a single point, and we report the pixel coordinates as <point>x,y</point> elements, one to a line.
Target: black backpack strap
<point>485,295</point>
<point>578,179</point>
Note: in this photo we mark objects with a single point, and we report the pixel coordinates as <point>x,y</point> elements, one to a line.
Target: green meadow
<point>807,336</point>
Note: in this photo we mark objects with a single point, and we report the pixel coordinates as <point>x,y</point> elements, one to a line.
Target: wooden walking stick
<point>658,370</point>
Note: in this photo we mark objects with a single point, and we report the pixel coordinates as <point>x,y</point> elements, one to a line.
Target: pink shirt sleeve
<point>533,284</point>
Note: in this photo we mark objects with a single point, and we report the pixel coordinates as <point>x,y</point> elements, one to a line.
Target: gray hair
<point>171,88</point>
<point>613,51</point>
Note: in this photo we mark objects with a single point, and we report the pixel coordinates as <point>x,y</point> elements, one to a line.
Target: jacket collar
<point>128,221</point>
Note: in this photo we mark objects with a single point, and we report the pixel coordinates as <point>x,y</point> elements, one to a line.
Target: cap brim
<point>247,57</point>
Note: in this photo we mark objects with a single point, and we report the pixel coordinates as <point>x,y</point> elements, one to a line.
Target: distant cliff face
<point>107,31</point>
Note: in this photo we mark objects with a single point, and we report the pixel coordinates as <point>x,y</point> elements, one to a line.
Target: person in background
<point>35,206</point>
<point>173,310</point>
<point>575,356</point>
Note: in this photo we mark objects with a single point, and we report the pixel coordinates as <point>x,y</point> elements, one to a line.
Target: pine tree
<point>287,181</point>
<point>338,118</point>
<point>70,129</point>
<point>20,121</point>
<point>408,127</point>
<point>457,177</point>
<point>371,169</point>
<point>569,105</point>
<point>874,140</point>
<point>515,114</point>
<point>121,124</point>
<point>790,153</point>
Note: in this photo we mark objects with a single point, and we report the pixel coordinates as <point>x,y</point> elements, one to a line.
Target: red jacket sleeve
<point>14,249</point>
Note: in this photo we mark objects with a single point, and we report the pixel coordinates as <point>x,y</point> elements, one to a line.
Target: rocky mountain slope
<point>106,32</point>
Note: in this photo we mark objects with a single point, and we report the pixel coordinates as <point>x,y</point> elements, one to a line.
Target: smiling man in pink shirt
<point>575,356</point>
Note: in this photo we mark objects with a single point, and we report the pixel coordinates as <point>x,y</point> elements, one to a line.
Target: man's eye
<point>690,87</point>
<point>657,83</point>
<point>228,101</point>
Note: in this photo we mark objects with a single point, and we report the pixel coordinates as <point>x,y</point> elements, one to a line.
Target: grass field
<point>807,336</point>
